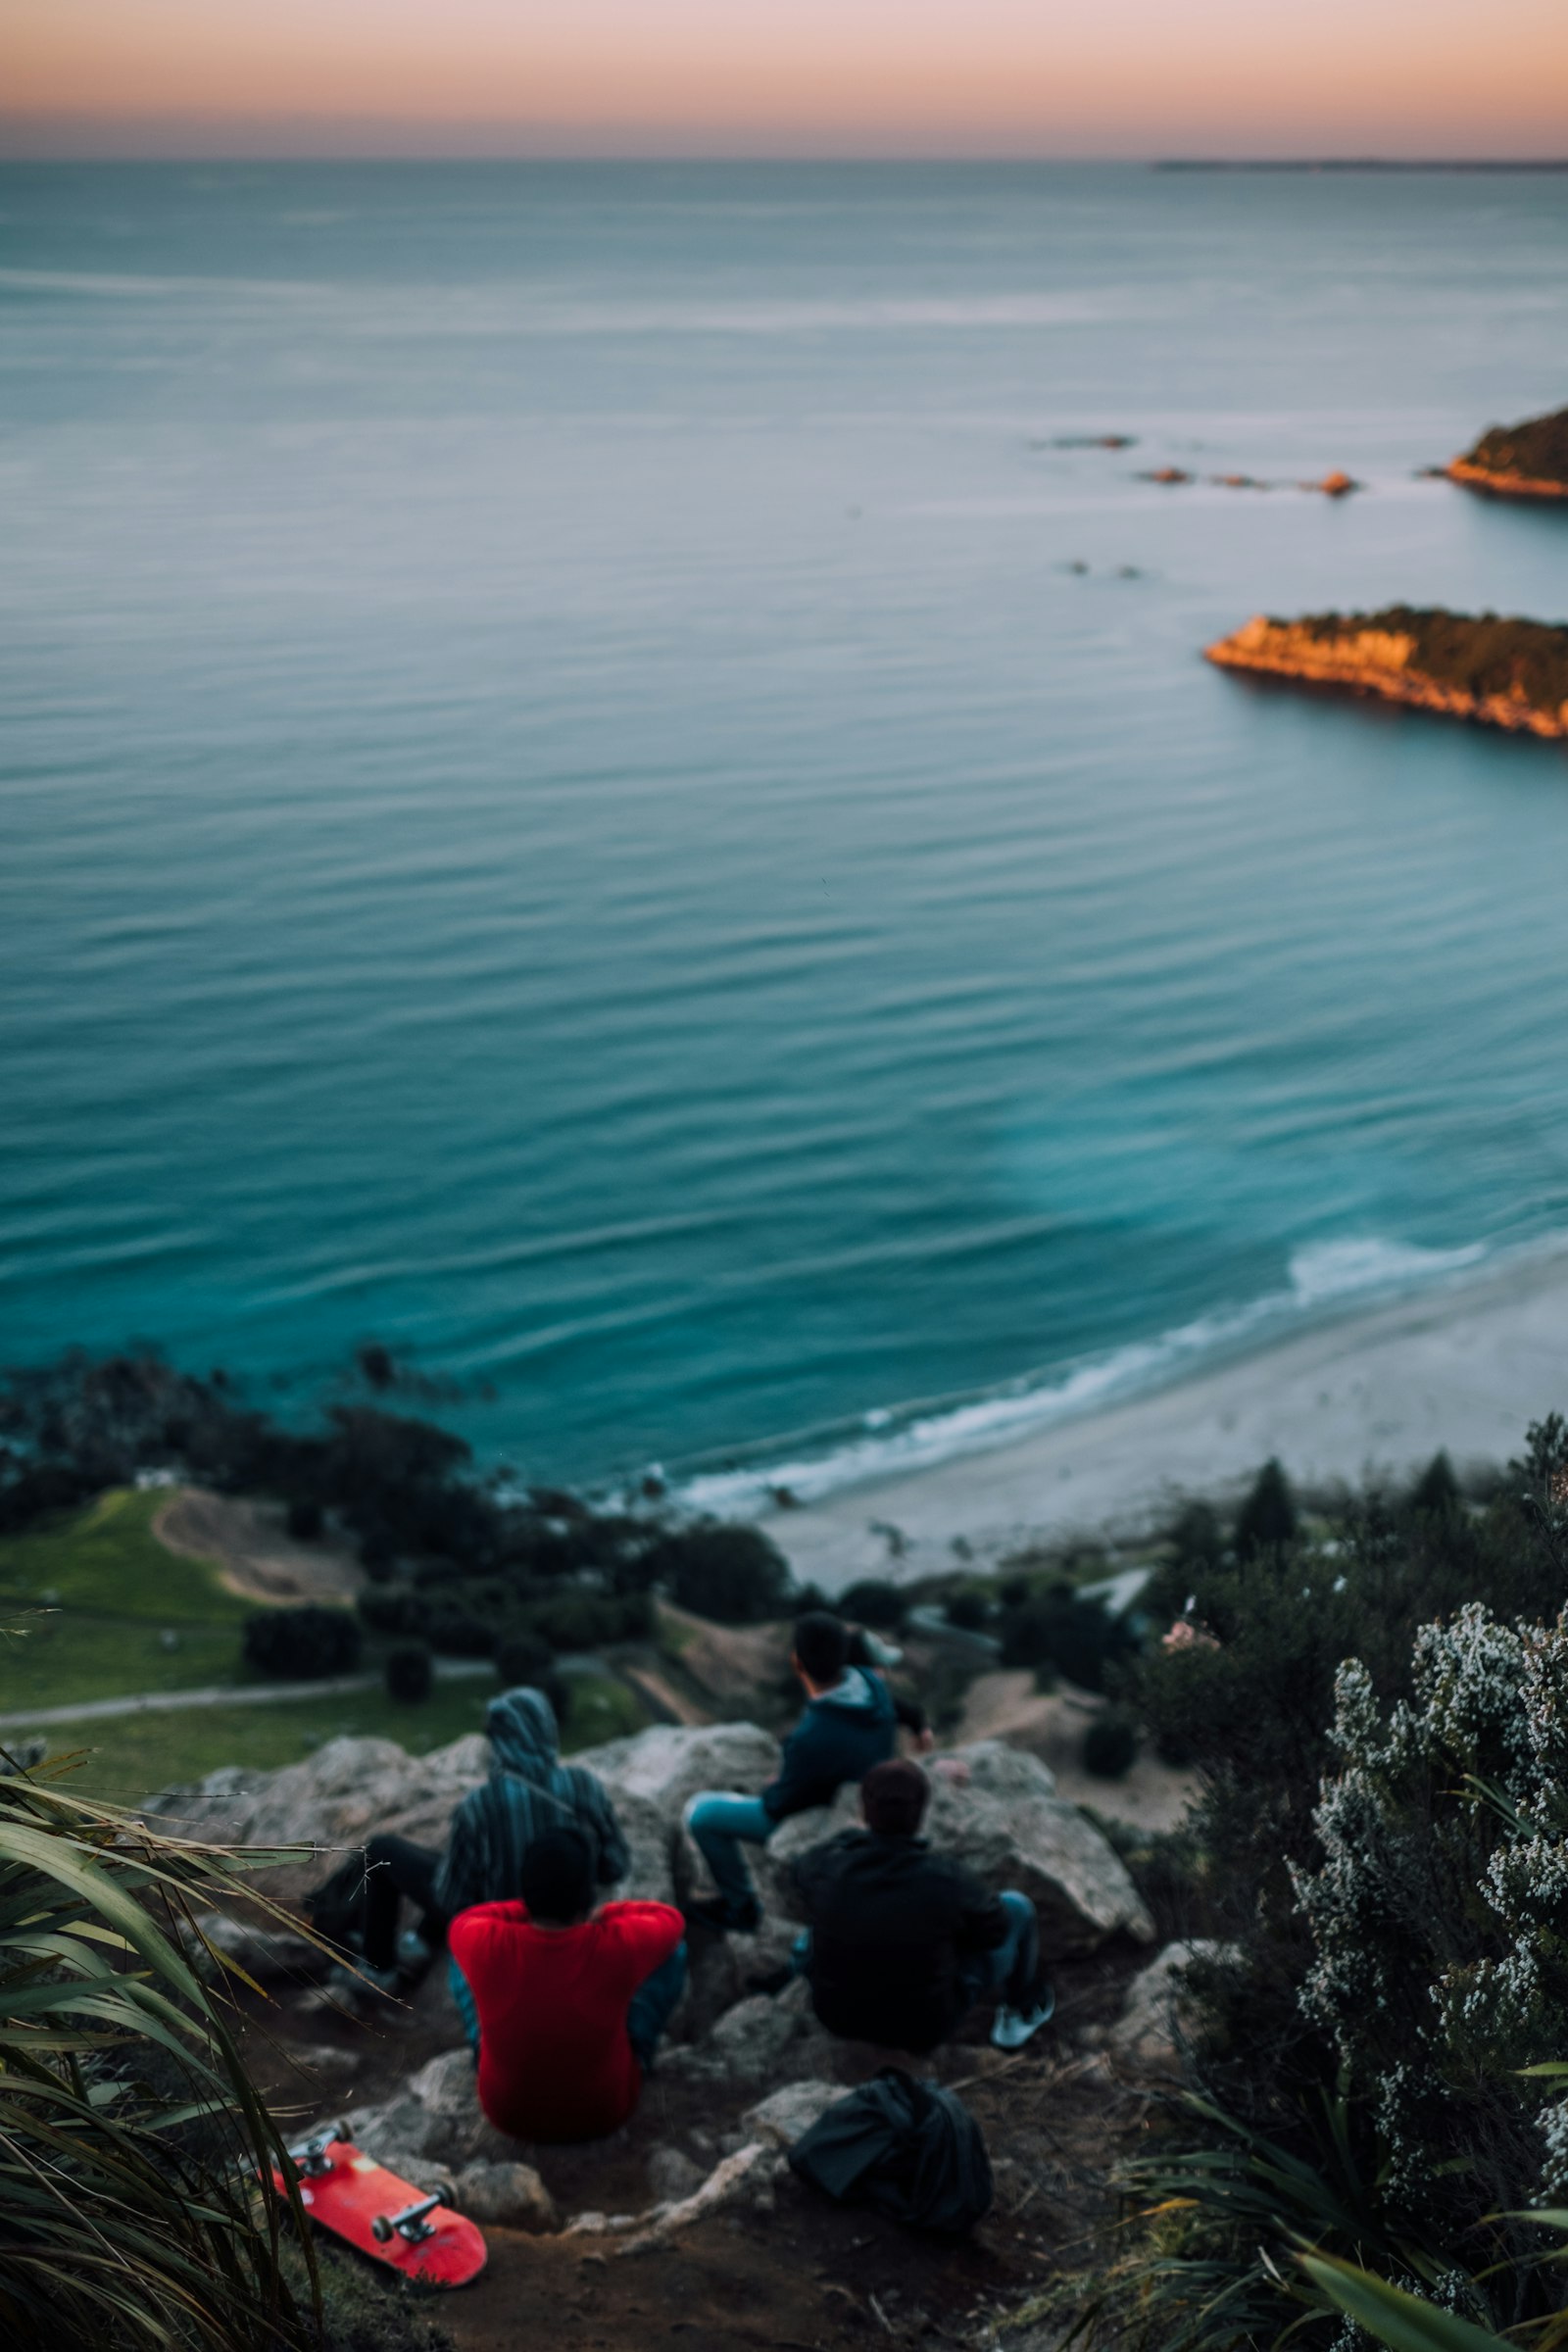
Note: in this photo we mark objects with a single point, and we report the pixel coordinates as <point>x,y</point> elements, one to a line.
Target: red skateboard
<point>414,2234</point>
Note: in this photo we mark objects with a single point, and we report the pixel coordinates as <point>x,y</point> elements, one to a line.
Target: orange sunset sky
<point>1027,78</point>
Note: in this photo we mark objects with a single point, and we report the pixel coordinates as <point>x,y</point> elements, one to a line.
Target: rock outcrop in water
<point>1498,672</point>
<point>1518,461</point>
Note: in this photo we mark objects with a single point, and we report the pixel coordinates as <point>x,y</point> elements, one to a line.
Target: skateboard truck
<point>410,2223</point>
<point>311,2154</point>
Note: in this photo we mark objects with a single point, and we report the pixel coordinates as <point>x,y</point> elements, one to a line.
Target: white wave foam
<point>1339,1269</point>
<point>887,1442</point>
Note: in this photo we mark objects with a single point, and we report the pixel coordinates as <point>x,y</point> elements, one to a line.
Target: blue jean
<point>648,2012</point>
<point>720,1825</point>
<point>652,2005</point>
<point>1012,1969</point>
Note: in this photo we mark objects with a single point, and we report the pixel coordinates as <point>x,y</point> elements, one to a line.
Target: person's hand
<point>925,1740</point>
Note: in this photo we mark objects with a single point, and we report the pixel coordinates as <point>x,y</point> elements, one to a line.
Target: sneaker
<point>414,1955</point>
<point>352,1983</point>
<point>1013,2027</point>
<point>729,1919</point>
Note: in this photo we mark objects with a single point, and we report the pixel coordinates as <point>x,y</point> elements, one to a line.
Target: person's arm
<point>912,1715</point>
<point>615,1855</point>
<point>460,1867</point>
<point>645,1934</point>
<point>982,1922</point>
<point>800,1773</point>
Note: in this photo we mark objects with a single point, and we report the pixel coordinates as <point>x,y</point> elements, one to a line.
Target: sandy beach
<point>1465,1368</point>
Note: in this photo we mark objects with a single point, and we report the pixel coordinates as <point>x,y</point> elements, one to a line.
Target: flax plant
<point>136,2208</point>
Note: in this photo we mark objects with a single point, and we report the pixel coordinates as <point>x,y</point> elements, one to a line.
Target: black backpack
<point>908,2149</point>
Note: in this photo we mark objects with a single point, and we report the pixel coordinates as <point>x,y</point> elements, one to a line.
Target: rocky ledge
<point>1497,672</point>
<point>745,2070</point>
<point>1518,461</point>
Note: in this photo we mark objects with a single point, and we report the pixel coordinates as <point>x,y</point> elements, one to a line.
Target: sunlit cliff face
<point>736,77</point>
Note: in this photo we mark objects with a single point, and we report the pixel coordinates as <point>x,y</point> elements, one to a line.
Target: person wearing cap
<point>901,1941</point>
<point>571,2001</point>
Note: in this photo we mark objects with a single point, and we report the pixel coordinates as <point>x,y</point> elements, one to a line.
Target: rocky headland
<point>1518,461</point>
<point>1497,672</point>
<point>697,2183</point>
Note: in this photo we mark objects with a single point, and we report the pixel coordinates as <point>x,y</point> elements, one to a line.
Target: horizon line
<point>803,159</point>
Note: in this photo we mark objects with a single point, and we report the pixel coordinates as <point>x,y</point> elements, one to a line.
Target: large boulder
<point>336,1798</point>
<point>1003,1818</point>
<point>351,1789</point>
<point>667,1764</point>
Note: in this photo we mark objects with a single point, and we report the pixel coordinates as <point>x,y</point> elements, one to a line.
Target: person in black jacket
<point>849,1723</point>
<point>902,1940</point>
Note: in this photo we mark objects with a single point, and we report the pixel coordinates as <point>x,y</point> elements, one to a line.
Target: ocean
<point>600,782</point>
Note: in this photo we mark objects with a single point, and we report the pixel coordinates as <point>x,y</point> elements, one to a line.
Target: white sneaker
<point>352,1983</point>
<point>1013,2027</point>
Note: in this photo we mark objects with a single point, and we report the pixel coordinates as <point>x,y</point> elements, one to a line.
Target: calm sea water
<point>587,791</point>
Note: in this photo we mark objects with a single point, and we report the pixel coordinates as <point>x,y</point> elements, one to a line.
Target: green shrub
<point>579,1619</point>
<point>523,1658</point>
<point>410,1672</point>
<point>968,1610</point>
<point>129,2131</point>
<point>1436,1490</point>
<point>1061,1633</point>
<point>876,1603</point>
<point>1386,1851</point>
<point>303,1645</point>
<point>730,1573</point>
<point>1110,1744</point>
<point>1267,1520</point>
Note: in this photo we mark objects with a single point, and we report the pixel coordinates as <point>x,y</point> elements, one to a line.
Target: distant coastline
<point>1360,163</point>
<point>1464,1364</point>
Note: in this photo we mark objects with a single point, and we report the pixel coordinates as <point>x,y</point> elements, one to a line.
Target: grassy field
<point>93,1607</point>
<point>125,1759</point>
<point>100,1608</point>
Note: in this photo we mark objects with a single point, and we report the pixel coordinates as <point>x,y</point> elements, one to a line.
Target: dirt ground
<point>1051,1724</point>
<point>807,2276</point>
<point>257,1556</point>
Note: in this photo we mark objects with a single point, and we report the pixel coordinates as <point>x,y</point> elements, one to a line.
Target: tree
<point>410,1672</point>
<point>1267,1520</point>
<point>723,1570</point>
<point>303,1645</point>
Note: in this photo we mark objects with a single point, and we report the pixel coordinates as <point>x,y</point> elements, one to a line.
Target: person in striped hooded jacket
<point>529,1790</point>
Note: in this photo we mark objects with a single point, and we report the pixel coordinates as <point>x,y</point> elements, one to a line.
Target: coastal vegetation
<point>1509,673</point>
<point>1378,1858</point>
<point>129,2128</point>
<point>1518,461</point>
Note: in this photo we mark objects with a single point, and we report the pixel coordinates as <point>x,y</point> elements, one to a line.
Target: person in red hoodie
<point>571,2001</point>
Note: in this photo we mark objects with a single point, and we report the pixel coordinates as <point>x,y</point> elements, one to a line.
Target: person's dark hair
<point>557,1879</point>
<point>893,1798</point>
<point>822,1645</point>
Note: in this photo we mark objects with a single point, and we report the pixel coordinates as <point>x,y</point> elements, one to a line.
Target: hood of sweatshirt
<point>524,1736</point>
<point>857,1694</point>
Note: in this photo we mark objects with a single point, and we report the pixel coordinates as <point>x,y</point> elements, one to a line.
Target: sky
<point>960,77</point>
